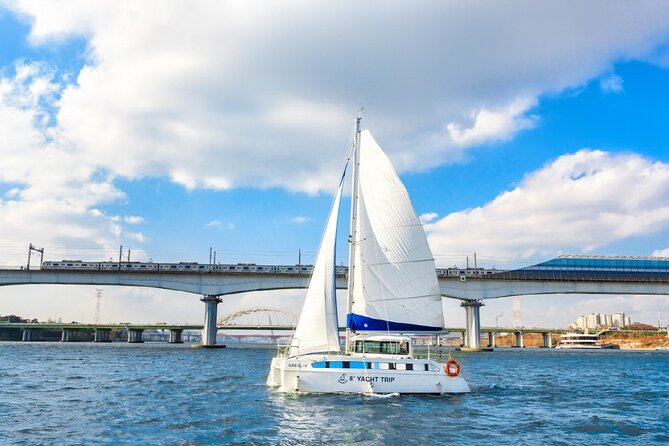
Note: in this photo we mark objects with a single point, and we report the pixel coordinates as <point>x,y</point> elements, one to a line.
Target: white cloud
<point>493,125</point>
<point>575,204</point>
<point>133,219</point>
<point>220,95</point>
<point>611,84</point>
<point>216,223</point>
<point>428,217</point>
<point>299,219</point>
<point>12,193</point>
<point>661,253</point>
<point>52,205</point>
<point>136,236</point>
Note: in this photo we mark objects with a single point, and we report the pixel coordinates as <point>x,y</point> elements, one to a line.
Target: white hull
<point>587,347</point>
<point>578,347</point>
<point>298,375</point>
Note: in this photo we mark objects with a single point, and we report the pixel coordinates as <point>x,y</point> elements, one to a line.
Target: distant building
<point>597,320</point>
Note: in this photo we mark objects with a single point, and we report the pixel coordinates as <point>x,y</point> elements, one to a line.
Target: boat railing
<point>283,350</point>
<point>436,353</point>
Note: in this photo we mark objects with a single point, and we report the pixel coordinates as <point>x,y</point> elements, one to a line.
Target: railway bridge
<point>562,275</point>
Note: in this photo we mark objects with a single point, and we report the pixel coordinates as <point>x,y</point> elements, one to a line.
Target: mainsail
<point>317,329</point>
<point>395,285</point>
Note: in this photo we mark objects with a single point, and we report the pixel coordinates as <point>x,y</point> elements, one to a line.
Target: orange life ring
<point>452,368</point>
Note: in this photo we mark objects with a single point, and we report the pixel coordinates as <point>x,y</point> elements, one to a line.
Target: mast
<point>353,237</point>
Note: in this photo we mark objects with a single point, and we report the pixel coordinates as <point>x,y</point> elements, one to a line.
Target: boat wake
<point>383,395</point>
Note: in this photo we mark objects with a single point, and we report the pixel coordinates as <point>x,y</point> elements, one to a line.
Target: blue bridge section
<point>594,268</point>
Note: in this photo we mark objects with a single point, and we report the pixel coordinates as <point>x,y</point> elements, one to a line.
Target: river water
<point>159,394</point>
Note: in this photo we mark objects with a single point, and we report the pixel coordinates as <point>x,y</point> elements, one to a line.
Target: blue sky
<point>172,130</point>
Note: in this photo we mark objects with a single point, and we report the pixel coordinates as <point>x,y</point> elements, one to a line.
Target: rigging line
<point>391,299</point>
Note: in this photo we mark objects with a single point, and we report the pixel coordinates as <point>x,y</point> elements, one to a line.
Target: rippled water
<point>159,394</point>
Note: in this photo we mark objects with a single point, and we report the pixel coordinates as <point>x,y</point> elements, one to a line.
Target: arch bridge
<point>259,318</point>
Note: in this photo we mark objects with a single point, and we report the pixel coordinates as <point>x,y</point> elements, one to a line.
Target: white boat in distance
<point>392,292</point>
<point>583,341</point>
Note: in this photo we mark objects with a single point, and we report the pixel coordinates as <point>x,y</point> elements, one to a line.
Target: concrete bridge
<point>103,333</point>
<point>563,275</point>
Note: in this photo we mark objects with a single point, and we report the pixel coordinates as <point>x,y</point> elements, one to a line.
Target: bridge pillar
<point>210,329</point>
<point>464,338</point>
<point>473,324</point>
<point>27,334</point>
<point>66,335</point>
<point>519,340</point>
<point>135,335</point>
<point>102,335</point>
<point>491,339</point>
<point>548,340</point>
<point>175,337</point>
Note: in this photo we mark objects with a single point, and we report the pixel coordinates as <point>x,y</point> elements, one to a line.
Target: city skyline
<point>175,129</point>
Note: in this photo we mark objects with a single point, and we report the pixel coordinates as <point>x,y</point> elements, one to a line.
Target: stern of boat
<point>455,384</point>
<point>274,377</point>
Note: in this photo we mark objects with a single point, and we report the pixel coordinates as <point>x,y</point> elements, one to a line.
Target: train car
<point>341,269</point>
<point>265,269</point>
<point>70,265</point>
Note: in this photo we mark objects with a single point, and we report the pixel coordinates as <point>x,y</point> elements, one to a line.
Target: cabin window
<point>384,347</point>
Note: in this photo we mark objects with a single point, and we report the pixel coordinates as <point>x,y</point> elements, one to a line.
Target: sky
<point>523,130</point>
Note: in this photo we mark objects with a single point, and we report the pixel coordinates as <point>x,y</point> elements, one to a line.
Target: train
<point>194,267</point>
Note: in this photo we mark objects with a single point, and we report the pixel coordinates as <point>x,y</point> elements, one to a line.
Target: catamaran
<point>392,293</point>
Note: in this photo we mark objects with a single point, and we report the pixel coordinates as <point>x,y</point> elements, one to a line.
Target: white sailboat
<point>393,291</point>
